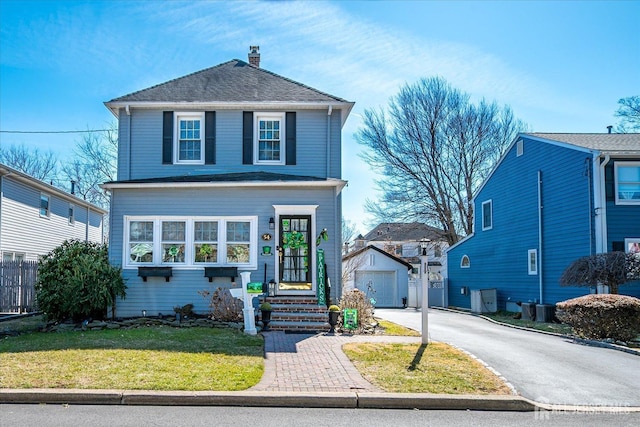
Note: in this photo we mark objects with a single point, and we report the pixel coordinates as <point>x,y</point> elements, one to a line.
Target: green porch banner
<point>322,297</point>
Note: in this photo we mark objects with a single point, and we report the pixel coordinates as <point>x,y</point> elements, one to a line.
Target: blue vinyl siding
<point>156,295</point>
<point>143,157</point>
<point>499,256</point>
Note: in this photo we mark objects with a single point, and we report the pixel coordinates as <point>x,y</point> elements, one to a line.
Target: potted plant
<point>334,312</point>
<point>265,308</point>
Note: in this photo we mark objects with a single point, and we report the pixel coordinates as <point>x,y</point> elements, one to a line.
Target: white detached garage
<point>378,274</point>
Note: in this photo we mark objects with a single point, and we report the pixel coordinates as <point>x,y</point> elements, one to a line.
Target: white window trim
<point>465,256</point>
<point>490,203</point>
<point>176,136</point>
<point>615,181</point>
<point>534,253</point>
<point>189,242</point>
<point>519,148</point>
<point>256,129</point>
<point>48,214</point>
<point>629,241</point>
<point>72,212</point>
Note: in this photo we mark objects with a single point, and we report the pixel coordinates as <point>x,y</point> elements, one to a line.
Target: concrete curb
<point>444,402</point>
<point>271,399</point>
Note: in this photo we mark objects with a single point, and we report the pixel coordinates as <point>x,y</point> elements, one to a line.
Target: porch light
<point>272,223</point>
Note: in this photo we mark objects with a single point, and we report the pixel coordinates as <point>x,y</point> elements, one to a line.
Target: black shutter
<point>617,246</point>
<point>247,138</point>
<point>609,183</point>
<point>291,138</point>
<point>210,137</point>
<point>167,137</point>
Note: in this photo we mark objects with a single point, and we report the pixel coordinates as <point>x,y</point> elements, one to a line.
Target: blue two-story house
<point>229,169</point>
<point>551,199</point>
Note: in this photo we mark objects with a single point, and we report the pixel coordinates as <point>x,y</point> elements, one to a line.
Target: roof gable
<point>374,248</point>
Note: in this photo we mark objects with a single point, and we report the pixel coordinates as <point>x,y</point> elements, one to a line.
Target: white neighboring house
<point>379,274</point>
<point>36,217</point>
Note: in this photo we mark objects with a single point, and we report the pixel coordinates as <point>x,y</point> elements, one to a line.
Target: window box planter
<point>145,272</point>
<point>211,272</point>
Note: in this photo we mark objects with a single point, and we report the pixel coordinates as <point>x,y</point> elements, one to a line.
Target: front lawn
<point>150,358</point>
<point>414,368</point>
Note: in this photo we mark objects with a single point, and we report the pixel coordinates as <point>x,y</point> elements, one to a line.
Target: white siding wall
<point>24,231</point>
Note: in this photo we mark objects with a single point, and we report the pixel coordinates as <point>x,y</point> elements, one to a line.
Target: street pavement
<point>541,367</point>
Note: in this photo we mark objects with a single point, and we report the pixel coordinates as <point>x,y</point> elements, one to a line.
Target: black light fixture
<point>272,223</point>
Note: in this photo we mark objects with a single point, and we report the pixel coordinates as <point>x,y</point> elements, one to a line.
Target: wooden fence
<point>17,286</point>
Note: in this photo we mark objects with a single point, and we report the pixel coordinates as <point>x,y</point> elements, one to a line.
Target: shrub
<point>265,306</point>
<point>358,300</point>
<point>76,281</point>
<point>224,307</point>
<point>602,316</point>
<point>334,308</point>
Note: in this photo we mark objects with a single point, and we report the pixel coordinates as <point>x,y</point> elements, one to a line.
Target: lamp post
<point>424,275</point>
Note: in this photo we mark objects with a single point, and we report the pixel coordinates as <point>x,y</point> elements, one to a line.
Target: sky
<point>561,66</point>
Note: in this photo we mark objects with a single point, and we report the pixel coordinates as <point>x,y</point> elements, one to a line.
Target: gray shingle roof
<point>611,143</point>
<point>232,81</point>
<point>403,232</point>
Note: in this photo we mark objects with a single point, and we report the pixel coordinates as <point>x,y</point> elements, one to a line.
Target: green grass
<point>152,358</point>
<point>391,328</point>
<point>414,368</point>
<point>508,317</point>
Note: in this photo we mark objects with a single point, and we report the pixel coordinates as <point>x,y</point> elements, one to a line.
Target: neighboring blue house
<point>551,199</point>
<point>229,169</point>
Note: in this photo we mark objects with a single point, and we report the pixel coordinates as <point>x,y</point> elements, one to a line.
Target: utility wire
<point>56,131</point>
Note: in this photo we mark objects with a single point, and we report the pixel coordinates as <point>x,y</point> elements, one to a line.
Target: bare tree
<point>629,114</point>
<point>40,165</point>
<point>434,148</point>
<point>348,231</point>
<point>611,269</point>
<point>95,162</point>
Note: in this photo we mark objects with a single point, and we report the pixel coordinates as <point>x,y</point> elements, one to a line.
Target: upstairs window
<point>465,262</point>
<point>188,140</point>
<point>269,138</point>
<point>72,215</point>
<point>44,205</point>
<point>627,183</point>
<point>487,215</point>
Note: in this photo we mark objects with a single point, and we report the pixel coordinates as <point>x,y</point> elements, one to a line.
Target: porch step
<point>296,314</point>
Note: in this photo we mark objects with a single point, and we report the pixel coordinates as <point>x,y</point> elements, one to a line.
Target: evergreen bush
<point>76,281</point>
<point>601,316</point>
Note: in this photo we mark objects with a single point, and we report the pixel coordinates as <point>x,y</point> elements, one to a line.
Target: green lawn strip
<point>508,317</point>
<point>391,328</point>
<point>152,358</point>
<point>412,368</point>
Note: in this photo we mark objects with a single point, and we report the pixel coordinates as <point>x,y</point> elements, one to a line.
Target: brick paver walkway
<point>312,363</point>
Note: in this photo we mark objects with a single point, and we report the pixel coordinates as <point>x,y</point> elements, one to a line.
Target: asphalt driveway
<point>545,368</point>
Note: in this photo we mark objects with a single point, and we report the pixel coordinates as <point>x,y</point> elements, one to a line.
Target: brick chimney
<point>254,56</point>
